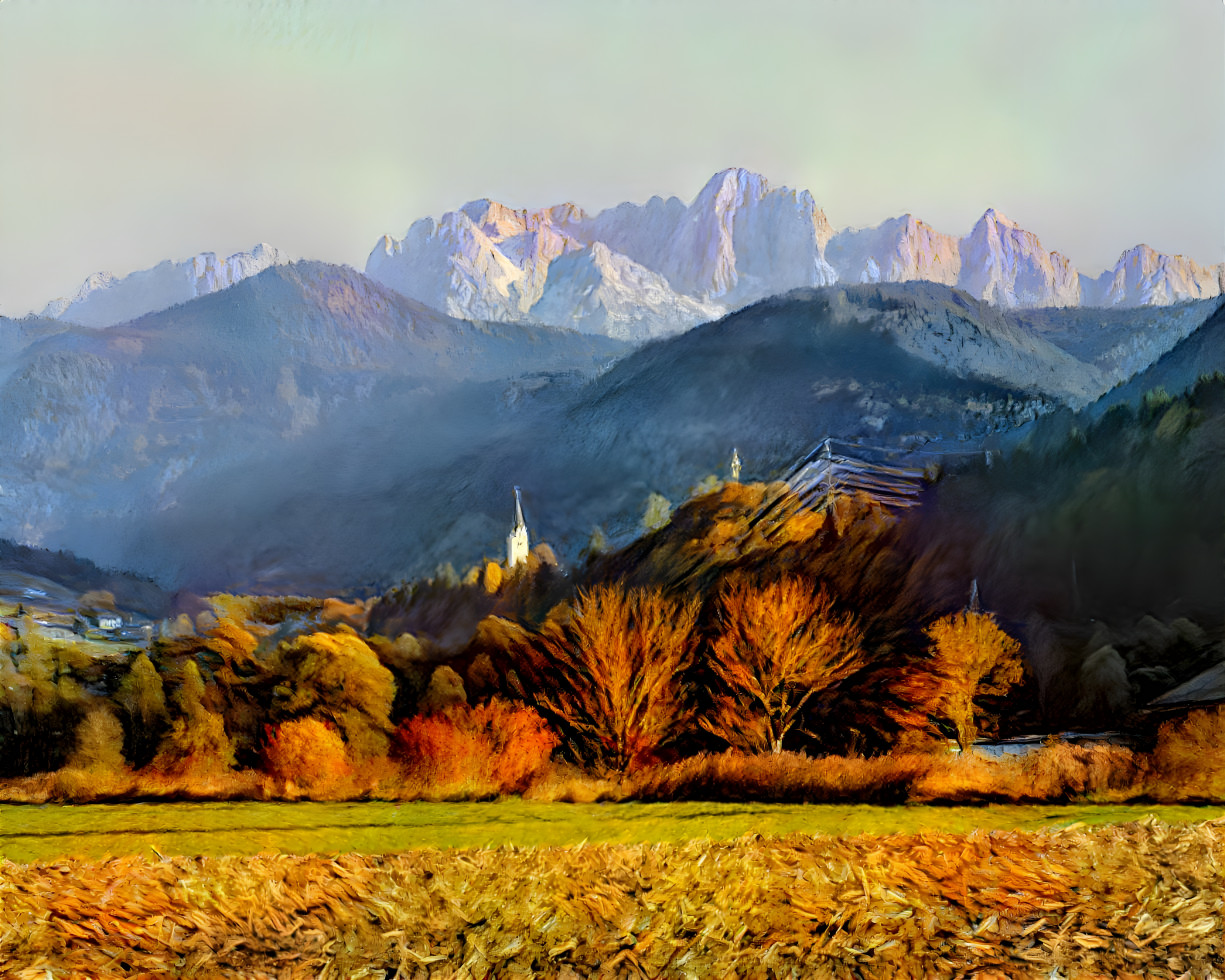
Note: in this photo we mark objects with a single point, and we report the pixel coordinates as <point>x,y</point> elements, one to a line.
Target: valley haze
<point>257,423</point>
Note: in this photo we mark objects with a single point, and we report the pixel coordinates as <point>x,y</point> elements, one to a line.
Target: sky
<point>133,131</point>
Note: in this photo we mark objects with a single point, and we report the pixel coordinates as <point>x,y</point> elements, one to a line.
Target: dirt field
<point>1134,900</point>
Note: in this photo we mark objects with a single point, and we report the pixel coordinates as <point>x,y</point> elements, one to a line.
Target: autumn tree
<point>307,752</point>
<point>969,657</point>
<point>197,744</point>
<point>41,703</point>
<point>99,743</point>
<point>777,646</point>
<point>338,676</point>
<point>142,697</point>
<point>446,688</point>
<point>608,668</point>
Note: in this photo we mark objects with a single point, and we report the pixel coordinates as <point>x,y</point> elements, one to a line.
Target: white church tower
<point>516,541</point>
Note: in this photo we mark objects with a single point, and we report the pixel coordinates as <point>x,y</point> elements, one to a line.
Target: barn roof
<point>1207,687</point>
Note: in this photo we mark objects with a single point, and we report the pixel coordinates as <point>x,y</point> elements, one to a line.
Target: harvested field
<point>1143,899</point>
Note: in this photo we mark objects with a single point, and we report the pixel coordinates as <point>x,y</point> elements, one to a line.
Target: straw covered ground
<point>1136,900</point>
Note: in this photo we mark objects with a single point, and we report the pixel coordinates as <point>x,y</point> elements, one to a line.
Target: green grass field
<point>41,833</point>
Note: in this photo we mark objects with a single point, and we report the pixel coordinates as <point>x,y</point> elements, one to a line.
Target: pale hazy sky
<point>137,130</point>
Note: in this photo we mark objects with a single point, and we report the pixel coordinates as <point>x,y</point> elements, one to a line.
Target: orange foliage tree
<point>778,645</point>
<point>307,751</point>
<point>337,675</point>
<point>970,656</point>
<point>1189,756</point>
<point>496,743</point>
<point>610,671</point>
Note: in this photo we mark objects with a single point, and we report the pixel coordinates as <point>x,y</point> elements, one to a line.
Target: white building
<point>516,541</point>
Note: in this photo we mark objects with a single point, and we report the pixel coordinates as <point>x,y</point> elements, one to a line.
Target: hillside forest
<point>751,646</point>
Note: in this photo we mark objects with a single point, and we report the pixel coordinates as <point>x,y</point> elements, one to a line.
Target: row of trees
<point>617,668</point>
<point>622,673</point>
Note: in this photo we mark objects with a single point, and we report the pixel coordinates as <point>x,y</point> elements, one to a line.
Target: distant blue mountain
<point>311,430</point>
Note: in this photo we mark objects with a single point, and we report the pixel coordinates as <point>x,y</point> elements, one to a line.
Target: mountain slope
<point>370,498</point>
<point>1201,353</point>
<point>1118,342</point>
<point>113,424</point>
<point>311,429</point>
<point>596,290</point>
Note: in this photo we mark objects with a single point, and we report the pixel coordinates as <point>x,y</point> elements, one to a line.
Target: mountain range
<point>640,271</point>
<point>261,423</point>
<point>310,429</point>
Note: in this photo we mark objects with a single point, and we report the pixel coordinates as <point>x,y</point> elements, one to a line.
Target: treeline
<point>750,648</point>
<point>1103,540</point>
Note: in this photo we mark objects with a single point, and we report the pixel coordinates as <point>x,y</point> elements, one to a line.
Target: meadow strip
<point>1140,899</point>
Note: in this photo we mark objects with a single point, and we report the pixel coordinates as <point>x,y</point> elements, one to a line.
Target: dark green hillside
<point>1110,535</point>
<point>1203,352</point>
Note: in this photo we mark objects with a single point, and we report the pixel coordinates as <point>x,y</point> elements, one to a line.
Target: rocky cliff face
<point>898,250</point>
<point>741,241</point>
<point>638,271</point>
<point>597,290</point>
<point>1007,266</point>
<point>1144,277</point>
<point>104,300</point>
<point>645,270</point>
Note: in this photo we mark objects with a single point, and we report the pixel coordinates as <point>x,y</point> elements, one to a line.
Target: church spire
<point>516,541</point>
<point>519,522</point>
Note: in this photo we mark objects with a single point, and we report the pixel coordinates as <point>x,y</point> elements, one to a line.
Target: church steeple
<point>516,541</point>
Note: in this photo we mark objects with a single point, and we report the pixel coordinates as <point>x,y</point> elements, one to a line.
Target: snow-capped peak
<point>104,299</point>
<point>1146,277</point>
<point>897,250</point>
<point>1004,264</point>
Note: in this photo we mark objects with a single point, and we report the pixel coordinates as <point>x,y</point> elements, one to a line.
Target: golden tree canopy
<point>970,657</point>
<point>778,645</point>
<point>610,670</point>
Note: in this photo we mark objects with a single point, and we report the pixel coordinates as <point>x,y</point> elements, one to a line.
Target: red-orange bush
<point>307,751</point>
<point>498,744</point>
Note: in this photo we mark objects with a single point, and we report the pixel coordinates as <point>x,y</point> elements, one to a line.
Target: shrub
<point>1189,757</point>
<point>785,777</point>
<point>306,751</point>
<point>1097,772</point>
<point>497,746</point>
